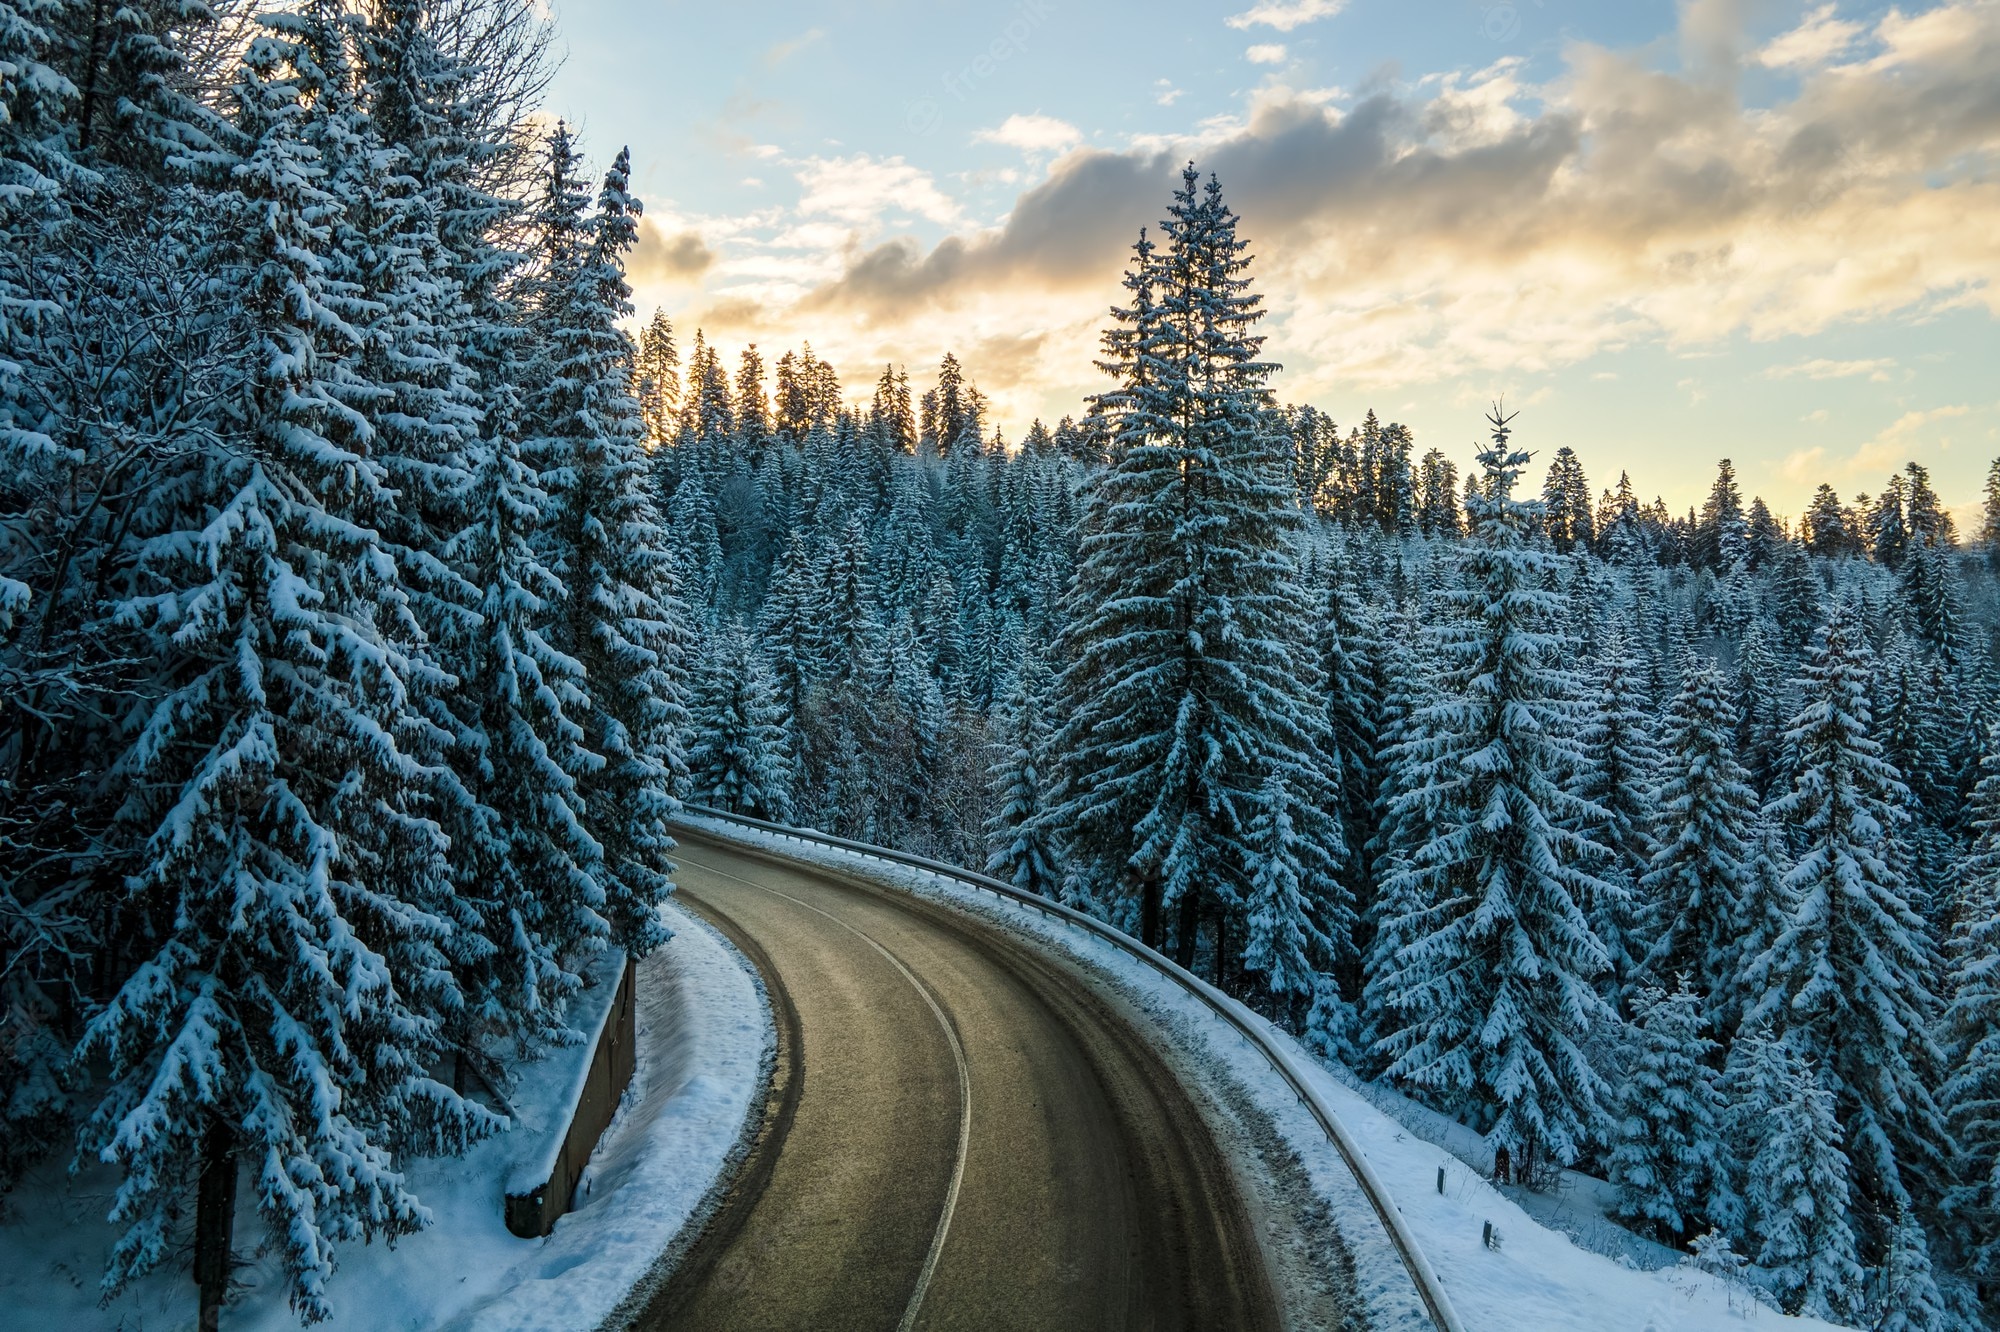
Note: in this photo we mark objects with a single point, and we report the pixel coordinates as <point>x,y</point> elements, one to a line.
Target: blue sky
<point>1671,232</point>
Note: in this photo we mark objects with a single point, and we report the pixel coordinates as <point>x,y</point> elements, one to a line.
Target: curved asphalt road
<point>961,1135</point>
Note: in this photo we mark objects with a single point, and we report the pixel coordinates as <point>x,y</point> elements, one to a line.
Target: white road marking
<point>909,1320</point>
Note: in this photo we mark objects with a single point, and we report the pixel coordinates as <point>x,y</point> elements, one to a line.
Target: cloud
<point>1817,41</point>
<point>1820,368</point>
<point>785,50</point>
<point>1712,33</point>
<point>1909,423</point>
<point>1032,134</point>
<point>1899,441</point>
<point>1269,53</point>
<point>1804,465</point>
<point>1477,226</point>
<point>858,190</point>
<point>658,257</point>
<point>1166,94</point>
<point>1484,223</point>
<point>1285,15</point>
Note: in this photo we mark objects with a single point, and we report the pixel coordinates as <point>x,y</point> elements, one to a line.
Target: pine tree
<point>1933,596</point>
<point>1825,527</point>
<point>753,409</point>
<point>1722,535</point>
<point>1184,689</point>
<point>1765,912</point>
<point>1278,909</point>
<point>282,816</point>
<point>1666,1157</point>
<point>1019,840</point>
<point>1847,978</point>
<point>1695,887</point>
<point>1970,1033</point>
<point>1924,514</point>
<point>529,864</point>
<point>622,620</point>
<point>1796,596</point>
<point>1765,537</point>
<point>1885,526</point>
<point>1796,1191</point>
<point>1904,1290</point>
<point>1493,993</point>
<point>737,755</point>
<point>1619,775</point>
<point>1989,511</point>
<point>657,380</point>
<point>1348,648</point>
<point>1566,503</point>
<point>1437,497</point>
<point>845,628</point>
<point>1762,714</point>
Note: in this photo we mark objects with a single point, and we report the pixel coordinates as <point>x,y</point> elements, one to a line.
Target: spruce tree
<point>1695,887</point>
<point>736,754</point>
<point>1847,980</point>
<point>528,861</point>
<point>1666,1157</point>
<point>1970,1033</point>
<point>1567,516</point>
<point>1493,994</point>
<point>295,912</point>
<point>1019,839</point>
<point>1722,534</point>
<point>657,380</point>
<point>1619,775</point>
<point>1184,688</point>
<point>1796,1191</point>
<point>1278,947</point>
<point>1349,650</point>
<point>622,620</point>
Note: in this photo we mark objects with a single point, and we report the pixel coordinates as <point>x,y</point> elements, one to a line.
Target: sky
<point>1667,232</point>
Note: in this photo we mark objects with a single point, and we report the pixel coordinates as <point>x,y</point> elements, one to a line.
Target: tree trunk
<point>1149,913</point>
<point>1188,928</point>
<point>215,1219</point>
<point>95,57</point>
<point>1222,958</point>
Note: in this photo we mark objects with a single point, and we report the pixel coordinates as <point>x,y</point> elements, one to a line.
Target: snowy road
<point>970,1136</point>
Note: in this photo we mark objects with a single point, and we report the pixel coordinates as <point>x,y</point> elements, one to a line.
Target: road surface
<point>962,1135</point>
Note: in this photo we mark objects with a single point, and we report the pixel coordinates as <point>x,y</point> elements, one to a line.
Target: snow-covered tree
<point>1666,1150</point>
<point>1619,775</point>
<point>1971,1034</point>
<point>1282,937</point>
<point>1694,889</point>
<point>1847,980</point>
<point>736,754</point>
<point>1184,687</point>
<point>1795,1191</point>
<point>295,918</point>
<point>622,618</point>
<point>1494,993</point>
<point>528,863</point>
<point>1019,842</point>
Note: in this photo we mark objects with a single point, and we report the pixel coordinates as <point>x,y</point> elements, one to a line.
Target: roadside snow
<point>1537,1280</point>
<point>703,1035</point>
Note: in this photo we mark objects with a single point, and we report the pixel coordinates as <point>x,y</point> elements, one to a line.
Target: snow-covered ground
<point>1538,1280</point>
<point>703,1035</point>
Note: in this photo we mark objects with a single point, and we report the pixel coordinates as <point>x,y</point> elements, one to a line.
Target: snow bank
<point>704,1034</point>
<point>1537,1280</point>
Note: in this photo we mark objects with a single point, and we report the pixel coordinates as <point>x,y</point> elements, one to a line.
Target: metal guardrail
<point>1253,1028</point>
